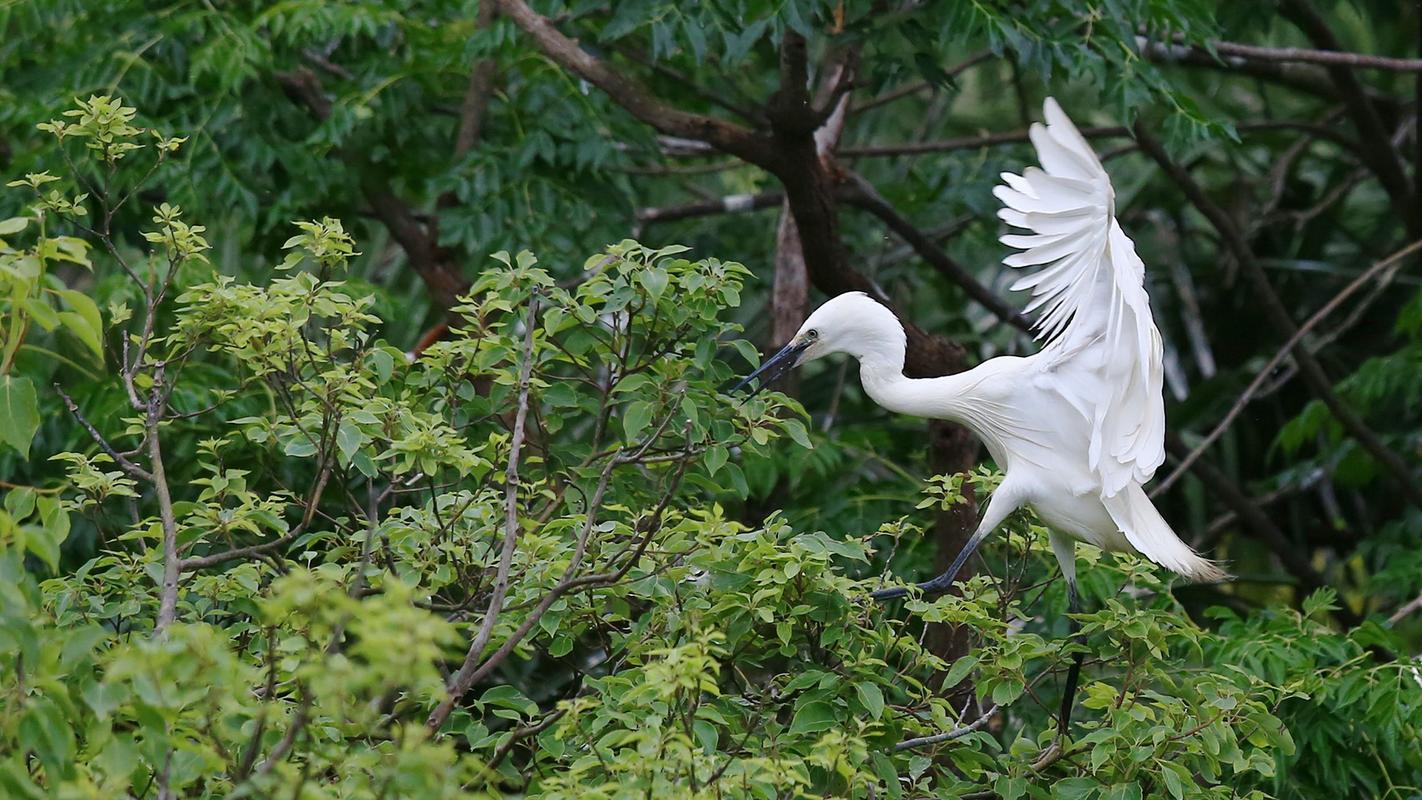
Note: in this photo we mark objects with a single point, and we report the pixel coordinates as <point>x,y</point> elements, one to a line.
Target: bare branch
<point>632,96</point>
<point>790,288</point>
<point>462,680</point>
<point>127,466</point>
<point>168,594</point>
<point>1378,152</point>
<point>1304,78</point>
<point>1302,55</point>
<point>1278,316</point>
<point>288,739</point>
<point>258,550</point>
<point>966,143</point>
<point>685,83</point>
<point>947,736</point>
<point>920,86</point>
<point>1391,262</point>
<point>730,204</point>
<point>426,257</point>
<point>1264,529</point>
<point>1405,610</point>
<point>476,94</point>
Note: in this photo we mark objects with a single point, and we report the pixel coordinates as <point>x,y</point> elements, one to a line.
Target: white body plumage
<point>1078,427</point>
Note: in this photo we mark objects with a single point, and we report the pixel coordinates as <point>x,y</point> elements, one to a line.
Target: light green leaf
<point>959,671</point>
<point>19,413</point>
<point>84,321</point>
<point>716,457</point>
<point>796,430</point>
<point>655,279</point>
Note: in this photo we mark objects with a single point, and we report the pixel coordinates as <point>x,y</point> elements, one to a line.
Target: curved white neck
<point>937,398</point>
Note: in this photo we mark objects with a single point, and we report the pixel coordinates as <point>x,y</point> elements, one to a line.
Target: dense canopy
<point>364,433</point>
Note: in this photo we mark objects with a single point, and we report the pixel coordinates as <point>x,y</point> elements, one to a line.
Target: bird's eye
<point>812,334</point>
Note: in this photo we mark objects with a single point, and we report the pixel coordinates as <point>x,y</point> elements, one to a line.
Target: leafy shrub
<point>298,564</point>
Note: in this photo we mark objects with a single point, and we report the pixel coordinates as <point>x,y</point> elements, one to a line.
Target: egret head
<point>852,323</point>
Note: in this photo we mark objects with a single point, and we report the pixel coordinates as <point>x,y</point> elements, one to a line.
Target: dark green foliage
<point>685,612</point>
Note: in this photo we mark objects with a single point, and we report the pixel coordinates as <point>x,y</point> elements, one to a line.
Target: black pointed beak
<point>773,368</point>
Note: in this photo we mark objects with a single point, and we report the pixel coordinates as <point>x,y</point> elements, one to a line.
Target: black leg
<point>943,582</point>
<point>1074,672</point>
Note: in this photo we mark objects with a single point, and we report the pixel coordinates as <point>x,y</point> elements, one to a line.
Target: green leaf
<point>41,312</point>
<point>636,417</point>
<point>796,430</point>
<point>1010,788</point>
<point>19,413</point>
<point>872,697</point>
<point>655,280</point>
<point>13,225</point>
<point>1074,788</point>
<point>959,671</point>
<point>20,502</point>
<point>84,320</point>
<point>1007,691</point>
<point>813,717</point>
<point>44,541</point>
<point>716,457</point>
<point>1173,780</point>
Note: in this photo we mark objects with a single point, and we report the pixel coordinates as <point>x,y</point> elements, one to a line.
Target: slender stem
<point>172,565</point>
<point>1279,355</point>
<point>947,736</point>
<point>462,680</point>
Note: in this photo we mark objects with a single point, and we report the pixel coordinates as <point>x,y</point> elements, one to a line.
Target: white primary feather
<point>1093,309</point>
<point>1151,535</point>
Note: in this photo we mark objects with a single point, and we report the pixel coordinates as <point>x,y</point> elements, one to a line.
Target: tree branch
<point>919,86</point>
<point>431,262</point>
<point>168,594</point>
<point>1288,553</point>
<point>133,470</point>
<point>947,736</point>
<point>966,143</point>
<point>867,197</point>
<point>462,680</point>
<point>1357,283</point>
<point>632,96</point>
<point>1277,316</point>
<point>730,204</point>
<point>1301,55</point>
<point>476,94</point>
<point>1378,151</point>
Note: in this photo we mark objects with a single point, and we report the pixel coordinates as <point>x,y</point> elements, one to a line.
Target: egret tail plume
<point>1151,535</point>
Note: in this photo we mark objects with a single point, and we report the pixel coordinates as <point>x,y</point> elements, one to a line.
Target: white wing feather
<point>1090,294</point>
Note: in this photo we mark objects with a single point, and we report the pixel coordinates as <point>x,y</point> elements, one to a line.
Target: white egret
<point>1076,428</point>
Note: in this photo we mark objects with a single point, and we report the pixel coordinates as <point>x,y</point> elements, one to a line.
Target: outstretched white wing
<point>1090,292</point>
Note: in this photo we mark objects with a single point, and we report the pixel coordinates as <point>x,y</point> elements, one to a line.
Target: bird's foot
<point>931,588</point>
<point>885,595</point>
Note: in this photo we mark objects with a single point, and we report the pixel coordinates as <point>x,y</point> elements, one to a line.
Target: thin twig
<point>1279,317</point>
<point>462,680</point>
<point>1303,55</point>
<point>947,736</point>
<point>966,143</point>
<point>868,198</point>
<point>168,595</point>
<point>127,466</point>
<point>1279,355</point>
<point>1404,610</point>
